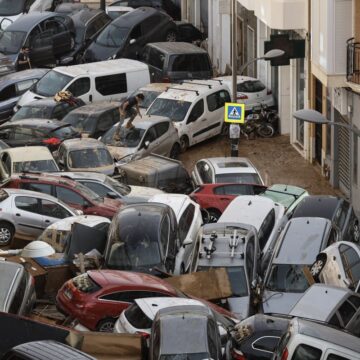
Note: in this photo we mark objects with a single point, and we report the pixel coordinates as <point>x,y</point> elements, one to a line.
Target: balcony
<point>353,64</point>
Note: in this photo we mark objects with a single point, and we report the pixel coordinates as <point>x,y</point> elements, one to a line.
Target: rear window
<point>238,178</point>
<point>111,84</point>
<point>137,318</point>
<point>85,283</point>
<point>189,62</point>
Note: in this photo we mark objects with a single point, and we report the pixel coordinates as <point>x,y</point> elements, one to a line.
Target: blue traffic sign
<point>234,113</point>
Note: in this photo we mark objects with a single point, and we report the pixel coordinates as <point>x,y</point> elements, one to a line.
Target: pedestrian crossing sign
<point>234,113</point>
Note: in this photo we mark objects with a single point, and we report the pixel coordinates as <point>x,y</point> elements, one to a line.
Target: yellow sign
<point>234,113</point>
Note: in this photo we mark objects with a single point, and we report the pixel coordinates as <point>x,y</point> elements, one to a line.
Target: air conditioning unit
<point>340,100</point>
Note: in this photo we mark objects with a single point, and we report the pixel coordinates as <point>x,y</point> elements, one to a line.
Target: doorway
<point>318,128</point>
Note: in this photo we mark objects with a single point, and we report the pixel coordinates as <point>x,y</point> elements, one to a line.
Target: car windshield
<point>11,7</point>
<point>127,137</point>
<point>35,166</point>
<point>51,83</point>
<point>279,197</point>
<point>11,41</point>
<point>137,318</point>
<point>89,158</point>
<point>32,111</point>
<point>176,110</point>
<point>113,36</point>
<point>81,122</point>
<point>239,178</point>
<point>287,278</point>
<point>192,356</point>
<point>149,97</point>
<point>237,279</point>
<point>119,187</point>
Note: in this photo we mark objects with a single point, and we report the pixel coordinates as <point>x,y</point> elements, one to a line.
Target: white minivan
<point>98,81</point>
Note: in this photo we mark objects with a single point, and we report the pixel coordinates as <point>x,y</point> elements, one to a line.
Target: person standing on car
<point>23,62</point>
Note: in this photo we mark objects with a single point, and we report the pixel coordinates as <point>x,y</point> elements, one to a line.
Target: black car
<point>166,5</point>
<point>88,24</point>
<point>336,209</point>
<point>46,108</point>
<point>187,32</point>
<point>48,133</point>
<point>257,337</point>
<point>12,86</point>
<point>143,237</point>
<point>94,120</point>
<point>49,36</point>
<point>126,36</point>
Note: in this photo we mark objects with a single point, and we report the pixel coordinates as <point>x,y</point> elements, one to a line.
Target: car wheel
<point>106,325</point>
<point>356,231</point>
<point>266,131</point>
<point>317,266</point>
<point>6,233</point>
<point>213,215</point>
<point>171,36</point>
<point>184,143</point>
<point>175,151</point>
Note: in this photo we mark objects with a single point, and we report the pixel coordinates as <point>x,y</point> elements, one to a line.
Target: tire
<point>266,131</point>
<point>356,232</point>
<point>318,266</point>
<point>213,215</point>
<point>175,151</point>
<point>171,36</point>
<point>106,325</point>
<point>7,232</point>
<point>184,143</point>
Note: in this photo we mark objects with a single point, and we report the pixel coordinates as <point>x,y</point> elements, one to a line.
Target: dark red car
<point>70,192</point>
<point>216,197</point>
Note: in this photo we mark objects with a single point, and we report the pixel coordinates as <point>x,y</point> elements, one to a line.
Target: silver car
<point>146,135</point>
<point>25,214</point>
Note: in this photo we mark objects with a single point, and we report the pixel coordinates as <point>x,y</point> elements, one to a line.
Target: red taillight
<point>242,97</point>
<point>237,355</point>
<point>285,354</point>
<point>269,92</point>
<point>143,334</point>
<point>52,141</point>
<point>165,79</point>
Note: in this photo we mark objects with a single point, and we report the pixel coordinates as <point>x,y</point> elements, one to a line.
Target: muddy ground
<point>275,158</point>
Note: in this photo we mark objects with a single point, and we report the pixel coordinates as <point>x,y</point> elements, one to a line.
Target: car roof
<point>326,333</point>
<point>87,220</point>
<point>240,79</point>
<point>96,108</point>
<point>227,165</point>
<point>249,209</point>
<point>28,153</point>
<point>129,279</point>
<point>83,143</point>
<point>319,301</point>
<point>22,192</point>
<point>318,205</point>
<point>102,67</point>
<point>45,178</point>
<point>190,90</point>
<point>147,121</point>
<point>134,17</point>
<point>28,21</point>
<point>22,75</point>
<point>150,306</point>
<point>160,87</point>
<point>174,48</point>
<point>302,239</point>
<point>175,201</point>
<point>37,123</point>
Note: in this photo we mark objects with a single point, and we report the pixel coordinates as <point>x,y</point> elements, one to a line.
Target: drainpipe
<point>184,11</point>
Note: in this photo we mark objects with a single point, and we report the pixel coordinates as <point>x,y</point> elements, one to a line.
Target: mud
<point>275,158</point>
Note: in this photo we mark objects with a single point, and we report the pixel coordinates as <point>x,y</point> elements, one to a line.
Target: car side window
<point>18,297</point>
<point>217,100</point>
<point>98,188</point>
<point>249,257</point>
<point>306,352</point>
<point>164,235</point>
<point>266,343</point>
<point>105,122</point>
<point>341,214</point>
<point>6,133</point>
<point>346,311</point>
<point>150,135</point>
<point>111,84</point>
<point>136,32</point>
<point>219,190</point>
<point>80,86</point>
<point>351,263</point>
<point>130,296</point>
<point>266,228</point>
<point>238,190</point>
<point>49,208</point>
<point>162,128</point>
<point>26,203</point>
<point>91,30</point>
<point>196,111</point>
<point>23,86</point>
<point>21,133</point>
<point>185,222</point>
<point>43,188</point>
<point>69,196</point>
<point>7,93</point>
<point>336,357</point>
<point>205,172</point>
<point>155,58</point>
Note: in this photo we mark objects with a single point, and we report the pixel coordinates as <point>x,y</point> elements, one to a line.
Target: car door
<point>197,123</point>
<point>163,142</point>
<point>42,52</point>
<point>27,216</point>
<point>149,142</point>
<point>80,88</point>
<point>63,41</point>
<point>52,212</point>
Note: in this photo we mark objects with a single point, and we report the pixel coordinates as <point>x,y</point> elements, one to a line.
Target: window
<point>130,296</point>
<point>154,58</point>
<point>111,84</point>
<point>306,352</point>
<point>61,110</point>
<point>162,128</point>
<point>196,111</point>
<point>189,63</point>
<point>150,135</point>
<point>211,330</point>
<point>69,196</point>
<point>335,321</point>
<point>346,311</point>
<point>164,235</point>
<point>249,257</point>
<point>266,343</point>
<point>355,300</point>
<point>23,86</point>
<point>27,204</point>
<point>185,222</point>
<point>6,134</point>
<point>341,214</point>
<point>21,133</point>
<point>250,86</point>
<point>234,190</point>
<point>351,263</point>
<point>98,188</point>
<point>19,296</point>
<point>336,357</point>
<point>80,86</point>
<point>135,33</point>
<point>105,122</point>
<point>49,208</point>
<point>42,188</point>
<point>266,228</point>
<point>7,93</point>
<point>137,318</point>
<point>91,30</point>
<point>204,172</point>
<point>217,100</point>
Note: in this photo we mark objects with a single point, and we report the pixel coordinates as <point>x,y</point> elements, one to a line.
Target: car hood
<point>143,191</point>
<point>276,302</point>
<point>239,306</point>
<point>118,152</point>
<point>96,52</point>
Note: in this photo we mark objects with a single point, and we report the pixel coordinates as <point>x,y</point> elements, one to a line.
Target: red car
<point>216,197</point>
<point>70,192</point>
<point>98,297</point>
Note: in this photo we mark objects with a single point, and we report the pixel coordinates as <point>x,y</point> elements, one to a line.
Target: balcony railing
<point>353,61</point>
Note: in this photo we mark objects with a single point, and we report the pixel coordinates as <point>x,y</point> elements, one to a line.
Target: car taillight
<point>52,141</point>
<point>269,92</point>
<point>237,355</point>
<point>242,97</point>
<point>143,334</point>
<point>285,354</point>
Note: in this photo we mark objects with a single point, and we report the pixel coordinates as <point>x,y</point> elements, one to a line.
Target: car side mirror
<point>132,41</point>
<point>146,144</point>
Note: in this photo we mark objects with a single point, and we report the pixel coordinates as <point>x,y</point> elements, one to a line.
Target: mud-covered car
<point>85,155</point>
<point>157,171</point>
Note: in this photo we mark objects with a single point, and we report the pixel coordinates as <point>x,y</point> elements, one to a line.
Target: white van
<point>98,81</point>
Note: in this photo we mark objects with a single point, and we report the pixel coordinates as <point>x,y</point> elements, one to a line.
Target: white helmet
<point>37,248</point>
